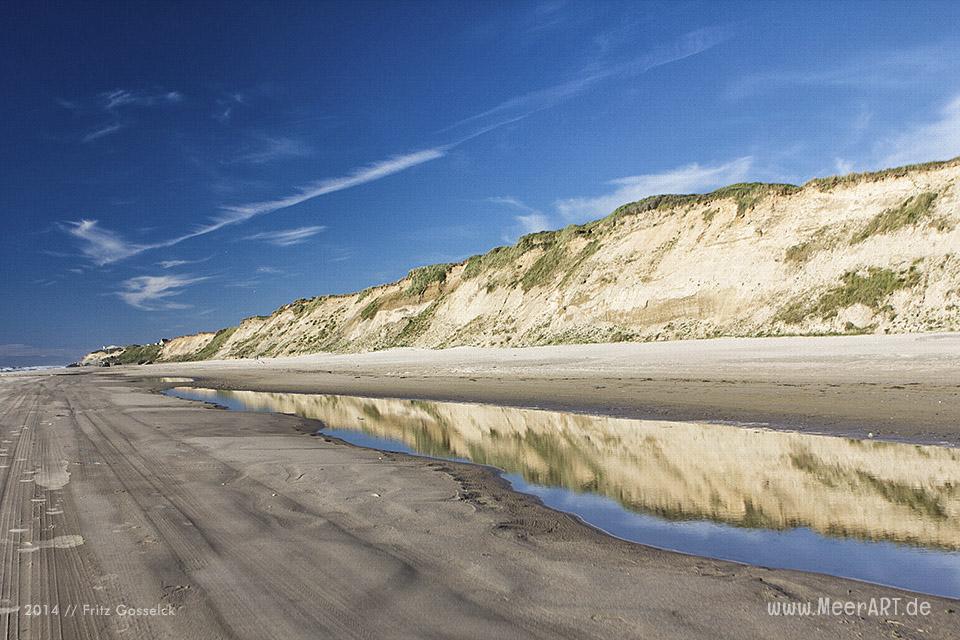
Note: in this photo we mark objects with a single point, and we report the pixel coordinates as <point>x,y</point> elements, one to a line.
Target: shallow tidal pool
<point>877,511</point>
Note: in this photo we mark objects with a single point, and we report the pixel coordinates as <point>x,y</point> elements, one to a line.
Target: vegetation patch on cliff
<point>746,194</point>
<point>422,277</point>
<point>546,265</point>
<point>248,347</point>
<point>501,257</point>
<point>908,213</point>
<point>214,345</point>
<point>870,289</point>
<point>299,307</point>
<point>369,311</point>
<point>415,326</point>
<point>560,255</point>
<point>804,251</point>
<point>800,253</point>
<point>826,184</point>
<point>138,354</point>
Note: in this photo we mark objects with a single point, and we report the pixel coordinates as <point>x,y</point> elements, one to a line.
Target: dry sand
<point>250,528</point>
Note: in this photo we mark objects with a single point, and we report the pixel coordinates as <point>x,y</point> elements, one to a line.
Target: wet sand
<point>251,528</point>
<point>904,387</point>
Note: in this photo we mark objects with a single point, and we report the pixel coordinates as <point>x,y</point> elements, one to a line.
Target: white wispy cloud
<point>113,103</point>
<point>223,114</point>
<point>692,178</point>
<point>252,283</point>
<point>228,103</point>
<point>101,246</point>
<point>689,44</point>
<point>936,139</point>
<point>538,100</point>
<point>152,292</point>
<point>104,246</point>
<point>102,132</point>
<point>547,15</point>
<point>843,166</point>
<point>511,201</point>
<point>117,98</point>
<point>892,69</point>
<point>531,221</point>
<point>363,175</point>
<point>170,264</point>
<point>287,237</point>
<point>267,149</point>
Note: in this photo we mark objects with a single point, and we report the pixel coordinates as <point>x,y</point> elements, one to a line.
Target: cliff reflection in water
<point>741,476</point>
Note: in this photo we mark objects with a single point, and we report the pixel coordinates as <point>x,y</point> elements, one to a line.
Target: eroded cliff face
<point>852,254</point>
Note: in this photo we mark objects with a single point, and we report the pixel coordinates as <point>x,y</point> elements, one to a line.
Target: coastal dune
<point>870,253</point>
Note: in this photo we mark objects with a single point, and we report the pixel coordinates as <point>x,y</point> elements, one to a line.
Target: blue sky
<point>168,168</point>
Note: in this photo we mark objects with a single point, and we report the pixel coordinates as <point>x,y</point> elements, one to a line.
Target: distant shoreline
<point>38,367</point>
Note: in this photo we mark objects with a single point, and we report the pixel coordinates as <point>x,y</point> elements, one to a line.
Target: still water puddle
<point>876,511</point>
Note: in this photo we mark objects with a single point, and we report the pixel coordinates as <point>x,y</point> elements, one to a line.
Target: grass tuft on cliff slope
<point>910,212</point>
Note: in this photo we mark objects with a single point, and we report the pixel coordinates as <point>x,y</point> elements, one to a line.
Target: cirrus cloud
<point>287,237</point>
<point>692,178</point>
<point>150,293</point>
<point>935,139</point>
<point>104,246</point>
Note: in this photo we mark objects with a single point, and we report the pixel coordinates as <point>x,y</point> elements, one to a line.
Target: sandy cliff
<point>853,254</point>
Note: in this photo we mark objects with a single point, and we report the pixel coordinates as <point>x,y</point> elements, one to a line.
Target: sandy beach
<point>246,526</point>
<point>903,387</point>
